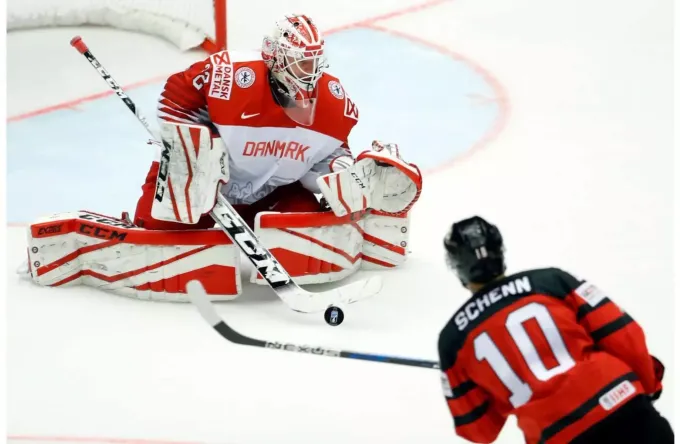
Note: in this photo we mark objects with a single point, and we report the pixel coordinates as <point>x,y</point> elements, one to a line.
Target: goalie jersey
<point>554,351</point>
<point>231,94</point>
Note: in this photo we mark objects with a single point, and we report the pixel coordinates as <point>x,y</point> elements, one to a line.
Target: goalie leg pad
<point>113,255</point>
<point>318,248</point>
<point>386,240</point>
<point>314,248</point>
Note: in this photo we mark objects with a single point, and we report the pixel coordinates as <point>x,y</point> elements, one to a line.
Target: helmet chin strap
<point>280,92</point>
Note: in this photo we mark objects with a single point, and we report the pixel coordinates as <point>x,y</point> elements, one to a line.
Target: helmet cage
<point>295,55</point>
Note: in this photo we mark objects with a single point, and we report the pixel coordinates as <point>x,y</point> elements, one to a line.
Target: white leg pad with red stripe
<point>386,240</point>
<point>317,248</point>
<point>114,255</point>
<point>192,164</point>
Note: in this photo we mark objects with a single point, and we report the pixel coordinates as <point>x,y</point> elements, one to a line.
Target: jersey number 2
<point>486,349</point>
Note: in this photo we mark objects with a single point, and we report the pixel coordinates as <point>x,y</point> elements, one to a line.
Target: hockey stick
<point>207,310</point>
<point>238,231</point>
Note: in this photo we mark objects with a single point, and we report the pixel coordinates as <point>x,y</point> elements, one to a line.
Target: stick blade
<point>307,302</point>
<point>316,302</point>
<point>357,291</point>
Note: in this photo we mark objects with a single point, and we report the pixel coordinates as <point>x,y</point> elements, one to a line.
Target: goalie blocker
<point>319,247</point>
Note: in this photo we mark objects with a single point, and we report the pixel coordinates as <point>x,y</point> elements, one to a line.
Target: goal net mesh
<point>185,23</point>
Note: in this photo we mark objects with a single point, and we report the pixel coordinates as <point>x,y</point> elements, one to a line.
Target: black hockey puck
<point>334,316</point>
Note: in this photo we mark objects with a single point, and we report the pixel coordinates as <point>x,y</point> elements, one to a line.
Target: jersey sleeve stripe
<point>186,98</point>
<point>584,408</point>
<point>586,309</point>
<point>472,416</point>
<point>611,327</point>
<point>177,114</point>
<point>462,389</point>
<point>170,119</point>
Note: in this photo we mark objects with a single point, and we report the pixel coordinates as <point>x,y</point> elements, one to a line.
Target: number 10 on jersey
<point>486,349</point>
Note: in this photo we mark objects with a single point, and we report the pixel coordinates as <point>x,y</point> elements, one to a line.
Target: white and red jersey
<point>230,93</point>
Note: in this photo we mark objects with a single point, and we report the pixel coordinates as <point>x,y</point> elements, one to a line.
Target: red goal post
<point>186,23</point>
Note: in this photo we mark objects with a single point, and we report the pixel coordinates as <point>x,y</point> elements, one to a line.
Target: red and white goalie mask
<point>294,53</point>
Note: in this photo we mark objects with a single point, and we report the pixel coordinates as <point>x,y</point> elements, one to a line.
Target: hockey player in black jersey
<point>550,349</point>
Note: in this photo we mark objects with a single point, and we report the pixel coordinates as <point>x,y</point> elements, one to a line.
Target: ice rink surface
<point>551,119</point>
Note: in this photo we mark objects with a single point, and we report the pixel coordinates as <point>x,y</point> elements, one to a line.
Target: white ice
<point>580,177</point>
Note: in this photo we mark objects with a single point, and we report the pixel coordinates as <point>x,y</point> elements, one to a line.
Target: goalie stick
<point>207,310</point>
<point>240,233</point>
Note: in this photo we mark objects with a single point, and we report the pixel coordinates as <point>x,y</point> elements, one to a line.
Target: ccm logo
<point>100,232</point>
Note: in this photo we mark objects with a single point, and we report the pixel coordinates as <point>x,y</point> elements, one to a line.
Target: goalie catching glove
<point>379,179</point>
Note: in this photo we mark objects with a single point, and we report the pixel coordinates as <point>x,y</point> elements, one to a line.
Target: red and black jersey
<point>553,350</point>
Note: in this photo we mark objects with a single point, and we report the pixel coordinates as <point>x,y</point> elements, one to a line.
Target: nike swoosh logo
<point>248,116</point>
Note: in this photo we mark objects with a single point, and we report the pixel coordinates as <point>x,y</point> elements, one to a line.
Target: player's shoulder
<point>552,281</point>
<point>335,99</point>
<point>236,78</point>
<point>246,68</point>
<point>249,68</point>
<point>332,85</point>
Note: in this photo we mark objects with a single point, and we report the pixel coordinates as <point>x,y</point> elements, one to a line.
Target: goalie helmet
<point>294,53</point>
<point>475,250</point>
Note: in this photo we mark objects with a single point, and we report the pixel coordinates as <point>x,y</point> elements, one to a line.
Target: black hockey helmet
<point>475,250</point>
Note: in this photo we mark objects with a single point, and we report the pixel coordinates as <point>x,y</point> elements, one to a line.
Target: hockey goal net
<point>185,23</point>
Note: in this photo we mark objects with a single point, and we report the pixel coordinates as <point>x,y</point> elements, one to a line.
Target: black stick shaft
<point>77,42</point>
